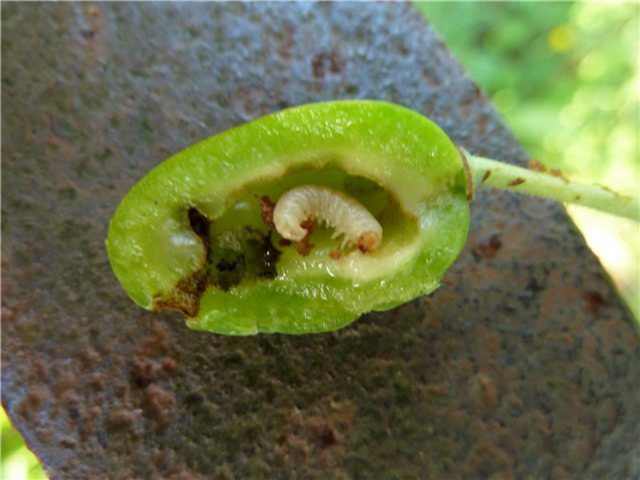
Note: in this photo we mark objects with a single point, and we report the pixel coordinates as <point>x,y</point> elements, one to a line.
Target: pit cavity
<point>242,245</point>
<point>253,207</point>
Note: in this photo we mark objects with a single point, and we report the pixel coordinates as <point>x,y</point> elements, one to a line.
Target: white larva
<point>331,207</point>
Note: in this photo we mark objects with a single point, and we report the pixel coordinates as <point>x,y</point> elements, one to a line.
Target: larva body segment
<point>333,208</point>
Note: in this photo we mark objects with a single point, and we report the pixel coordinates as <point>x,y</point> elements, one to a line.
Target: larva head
<point>201,233</point>
<point>369,241</point>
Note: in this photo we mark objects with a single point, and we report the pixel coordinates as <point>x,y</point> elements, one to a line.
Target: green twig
<point>490,173</point>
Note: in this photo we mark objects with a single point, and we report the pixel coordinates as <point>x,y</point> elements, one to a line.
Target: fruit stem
<point>491,173</point>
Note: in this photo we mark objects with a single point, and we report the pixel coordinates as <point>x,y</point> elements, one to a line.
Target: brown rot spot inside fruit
<point>270,256</point>
<point>516,182</point>
<point>228,270</point>
<point>185,297</point>
<point>243,254</point>
<point>199,223</point>
<point>336,254</point>
<point>486,176</point>
<point>267,206</point>
<point>305,246</point>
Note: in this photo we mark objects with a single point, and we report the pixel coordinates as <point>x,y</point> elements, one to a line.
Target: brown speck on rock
<point>97,381</point>
<point>143,373</point>
<point>32,402</point>
<point>482,124</point>
<point>68,441</point>
<point>73,402</point>
<point>326,62</point>
<point>169,366</point>
<point>329,436</point>
<point>87,33</point>
<point>40,370</point>
<point>483,394</point>
<point>44,434</point>
<point>122,390</point>
<point>594,301</point>
<point>159,404</point>
<point>67,382</point>
<point>437,390</point>
<point>74,412</point>
<point>298,445</point>
<point>120,419</point>
<point>487,460</point>
<point>489,249</point>
<point>286,43</point>
<point>89,357</point>
<point>562,472</point>
<point>316,435</point>
<point>156,342</point>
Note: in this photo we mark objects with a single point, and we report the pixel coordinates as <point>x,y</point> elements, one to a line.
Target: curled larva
<point>331,207</point>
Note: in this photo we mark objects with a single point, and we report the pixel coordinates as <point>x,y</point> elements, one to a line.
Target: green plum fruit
<point>197,235</point>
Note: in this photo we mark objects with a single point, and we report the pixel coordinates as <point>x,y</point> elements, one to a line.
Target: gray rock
<point>524,363</point>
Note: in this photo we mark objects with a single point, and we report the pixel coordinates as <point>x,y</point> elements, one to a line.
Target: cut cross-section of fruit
<point>196,234</point>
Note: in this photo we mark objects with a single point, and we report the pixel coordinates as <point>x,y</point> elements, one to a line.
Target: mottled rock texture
<point>522,365</point>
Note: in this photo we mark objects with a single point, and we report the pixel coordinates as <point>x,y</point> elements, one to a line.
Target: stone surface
<point>523,364</point>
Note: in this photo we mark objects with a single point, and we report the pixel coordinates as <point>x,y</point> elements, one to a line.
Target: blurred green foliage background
<point>18,463</point>
<point>565,77</point>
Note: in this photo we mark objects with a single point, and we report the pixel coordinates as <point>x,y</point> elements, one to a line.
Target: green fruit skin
<point>151,247</point>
